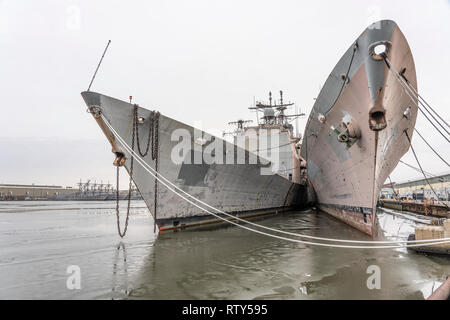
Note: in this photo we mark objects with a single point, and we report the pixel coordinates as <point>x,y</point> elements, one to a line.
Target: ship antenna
<point>98,66</point>
<point>257,113</point>
<point>270,97</point>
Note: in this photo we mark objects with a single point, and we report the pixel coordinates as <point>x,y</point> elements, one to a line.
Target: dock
<point>440,231</point>
<point>428,207</point>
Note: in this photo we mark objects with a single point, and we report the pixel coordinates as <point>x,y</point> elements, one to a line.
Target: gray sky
<point>193,61</point>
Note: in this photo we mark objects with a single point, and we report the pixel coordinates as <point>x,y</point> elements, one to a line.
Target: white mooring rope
<point>410,91</point>
<point>147,167</point>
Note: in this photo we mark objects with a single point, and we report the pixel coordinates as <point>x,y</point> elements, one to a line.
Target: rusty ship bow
<point>357,130</point>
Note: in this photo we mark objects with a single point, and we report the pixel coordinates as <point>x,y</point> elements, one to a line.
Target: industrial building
<point>25,192</point>
<point>419,189</point>
<point>89,190</point>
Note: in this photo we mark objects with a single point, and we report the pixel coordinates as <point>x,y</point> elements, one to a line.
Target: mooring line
<point>147,167</point>
<point>405,85</point>
<point>435,152</point>
<point>423,100</point>
<point>420,166</point>
<point>407,89</point>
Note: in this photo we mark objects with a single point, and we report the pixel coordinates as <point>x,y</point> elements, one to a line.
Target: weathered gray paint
<point>333,84</point>
<point>228,187</point>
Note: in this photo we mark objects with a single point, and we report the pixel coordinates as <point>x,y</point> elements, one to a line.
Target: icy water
<point>39,241</point>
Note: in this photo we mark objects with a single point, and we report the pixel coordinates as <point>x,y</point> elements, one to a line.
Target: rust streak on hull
<point>350,175</point>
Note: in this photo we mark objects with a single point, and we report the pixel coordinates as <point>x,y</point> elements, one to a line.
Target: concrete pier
<point>427,207</point>
<point>434,232</point>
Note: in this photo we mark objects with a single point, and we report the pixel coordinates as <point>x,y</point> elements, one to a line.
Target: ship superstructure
<point>285,144</point>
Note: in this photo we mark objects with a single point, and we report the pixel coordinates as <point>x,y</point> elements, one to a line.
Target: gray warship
<point>232,177</point>
<point>361,125</point>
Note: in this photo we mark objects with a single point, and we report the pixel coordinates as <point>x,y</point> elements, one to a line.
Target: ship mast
<point>274,113</point>
<point>239,127</point>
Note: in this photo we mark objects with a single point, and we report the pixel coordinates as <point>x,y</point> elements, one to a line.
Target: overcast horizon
<point>195,61</point>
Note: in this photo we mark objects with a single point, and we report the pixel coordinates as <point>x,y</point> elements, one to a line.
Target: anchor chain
<point>122,234</point>
<point>152,133</point>
<point>153,138</point>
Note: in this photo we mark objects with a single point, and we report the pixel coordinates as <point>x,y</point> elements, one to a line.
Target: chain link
<point>153,138</point>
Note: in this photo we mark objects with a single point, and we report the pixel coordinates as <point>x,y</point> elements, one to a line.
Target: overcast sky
<point>191,60</point>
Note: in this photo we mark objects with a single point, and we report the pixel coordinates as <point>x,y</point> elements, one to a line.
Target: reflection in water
<point>123,275</point>
<point>214,262</point>
<point>229,263</point>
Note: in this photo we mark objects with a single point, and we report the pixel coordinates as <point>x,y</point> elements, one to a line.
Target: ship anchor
<point>347,132</point>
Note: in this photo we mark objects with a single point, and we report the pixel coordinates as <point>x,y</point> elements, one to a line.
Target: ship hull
<point>347,179</point>
<point>236,188</point>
